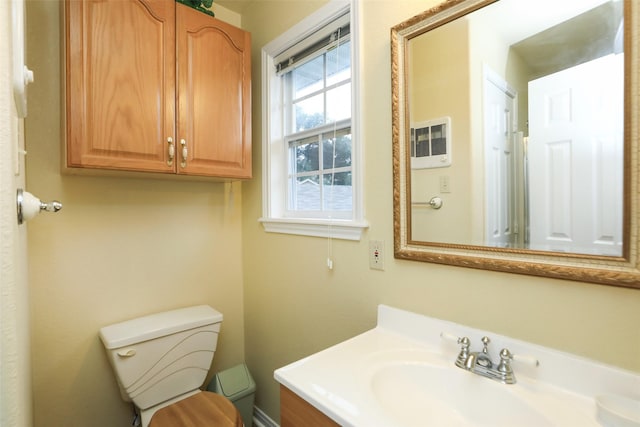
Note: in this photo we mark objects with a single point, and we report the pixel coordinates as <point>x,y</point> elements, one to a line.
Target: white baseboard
<point>260,419</point>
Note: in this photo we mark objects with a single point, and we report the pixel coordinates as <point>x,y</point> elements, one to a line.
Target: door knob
<point>29,205</point>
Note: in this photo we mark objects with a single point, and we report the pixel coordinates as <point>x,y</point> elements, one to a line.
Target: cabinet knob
<point>171,150</point>
<point>183,163</point>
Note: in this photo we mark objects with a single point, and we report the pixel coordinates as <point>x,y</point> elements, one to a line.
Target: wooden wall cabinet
<point>156,86</point>
<point>297,412</point>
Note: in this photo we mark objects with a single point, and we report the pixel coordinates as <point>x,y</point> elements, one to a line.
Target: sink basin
<point>618,411</point>
<point>402,374</point>
<point>418,394</point>
<point>417,387</point>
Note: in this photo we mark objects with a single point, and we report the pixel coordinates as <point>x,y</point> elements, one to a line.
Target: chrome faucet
<point>479,362</point>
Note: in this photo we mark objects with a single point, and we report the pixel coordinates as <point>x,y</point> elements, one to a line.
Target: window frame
<point>275,214</point>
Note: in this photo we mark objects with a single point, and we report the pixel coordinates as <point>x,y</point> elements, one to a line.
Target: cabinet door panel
<point>120,83</point>
<point>214,107</point>
<point>295,412</point>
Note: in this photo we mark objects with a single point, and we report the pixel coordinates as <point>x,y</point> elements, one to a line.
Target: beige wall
<point>126,247</point>
<point>120,248</point>
<point>294,306</point>
<point>435,94</point>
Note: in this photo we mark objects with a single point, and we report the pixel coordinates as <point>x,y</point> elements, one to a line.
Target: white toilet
<point>160,362</point>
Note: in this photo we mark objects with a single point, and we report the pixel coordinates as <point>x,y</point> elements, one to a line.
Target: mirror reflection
<point>516,115</point>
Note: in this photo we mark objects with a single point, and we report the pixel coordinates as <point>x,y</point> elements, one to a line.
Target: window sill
<point>336,229</point>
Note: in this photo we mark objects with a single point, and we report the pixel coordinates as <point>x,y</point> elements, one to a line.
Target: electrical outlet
<point>376,254</point>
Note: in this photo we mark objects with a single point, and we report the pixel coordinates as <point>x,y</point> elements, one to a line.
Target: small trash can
<point>236,385</point>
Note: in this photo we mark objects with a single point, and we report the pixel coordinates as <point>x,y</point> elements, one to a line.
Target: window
<point>311,154</point>
<point>320,174</point>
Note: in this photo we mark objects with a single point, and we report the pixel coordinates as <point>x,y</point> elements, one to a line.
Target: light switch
<point>444,184</point>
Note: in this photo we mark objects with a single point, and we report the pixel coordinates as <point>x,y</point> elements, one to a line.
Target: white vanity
<point>402,373</point>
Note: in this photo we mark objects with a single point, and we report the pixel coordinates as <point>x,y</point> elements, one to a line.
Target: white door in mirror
<point>575,159</point>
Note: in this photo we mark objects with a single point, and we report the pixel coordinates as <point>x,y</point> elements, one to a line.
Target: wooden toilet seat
<point>204,409</point>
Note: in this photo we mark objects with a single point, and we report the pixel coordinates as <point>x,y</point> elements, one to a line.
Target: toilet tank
<point>164,355</point>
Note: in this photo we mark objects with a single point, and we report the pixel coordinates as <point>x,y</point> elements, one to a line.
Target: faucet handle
<point>526,359</point>
<point>449,337</point>
<point>506,357</point>
<point>463,355</point>
<point>464,348</point>
<point>463,341</point>
<point>505,360</point>
<point>504,367</point>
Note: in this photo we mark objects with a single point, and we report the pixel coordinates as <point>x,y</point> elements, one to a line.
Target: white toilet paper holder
<point>29,205</point>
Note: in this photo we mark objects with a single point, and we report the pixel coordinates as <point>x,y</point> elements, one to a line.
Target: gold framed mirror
<point>479,178</point>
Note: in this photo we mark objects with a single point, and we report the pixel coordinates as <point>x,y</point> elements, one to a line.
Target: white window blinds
<point>334,33</point>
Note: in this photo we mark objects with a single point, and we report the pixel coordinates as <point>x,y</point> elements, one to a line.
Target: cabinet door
<point>295,412</point>
<point>120,87</point>
<point>214,92</point>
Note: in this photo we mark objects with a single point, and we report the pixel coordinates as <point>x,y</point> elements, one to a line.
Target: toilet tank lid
<point>157,325</point>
